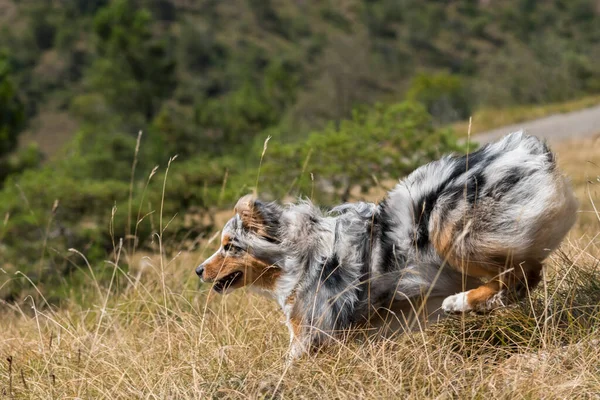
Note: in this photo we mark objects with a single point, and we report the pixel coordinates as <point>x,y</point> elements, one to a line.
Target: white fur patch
<point>456,303</point>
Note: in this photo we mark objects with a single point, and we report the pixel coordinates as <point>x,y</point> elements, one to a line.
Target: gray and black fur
<point>498,211</point>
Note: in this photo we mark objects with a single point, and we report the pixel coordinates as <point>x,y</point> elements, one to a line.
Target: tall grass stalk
<point>129,237</point>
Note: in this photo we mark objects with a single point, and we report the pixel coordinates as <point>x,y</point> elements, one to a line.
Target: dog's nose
<point>200,270</point>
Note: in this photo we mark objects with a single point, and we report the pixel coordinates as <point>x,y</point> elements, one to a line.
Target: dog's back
<point>495,214</point>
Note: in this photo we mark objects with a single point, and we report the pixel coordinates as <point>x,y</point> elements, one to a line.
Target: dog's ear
<point>259,217</point>
<point>248,212</point>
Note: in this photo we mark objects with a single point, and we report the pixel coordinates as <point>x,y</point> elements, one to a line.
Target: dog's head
<point>249,250</point>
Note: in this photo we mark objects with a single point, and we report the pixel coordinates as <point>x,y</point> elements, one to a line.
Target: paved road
<point>555,128</point>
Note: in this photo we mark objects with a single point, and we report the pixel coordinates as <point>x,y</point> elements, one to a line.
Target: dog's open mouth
<point>227,281</point>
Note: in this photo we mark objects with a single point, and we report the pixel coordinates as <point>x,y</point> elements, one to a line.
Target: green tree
<point>12,111</point>
<point>237,117</point>
<point>444,95</point>
<point>173,132</point>
<point>134,69</point>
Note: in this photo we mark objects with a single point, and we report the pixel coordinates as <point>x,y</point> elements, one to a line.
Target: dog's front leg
<point>297,349</point>
<point>299,343</point>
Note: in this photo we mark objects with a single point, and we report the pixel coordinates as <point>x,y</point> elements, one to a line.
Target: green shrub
<point>134,70</point>
<point>26,158</point>
<point>49,212</point>
<point>12,111</point>
<point>444,95</point>
<point>383,142</point>
<point>237,117</point>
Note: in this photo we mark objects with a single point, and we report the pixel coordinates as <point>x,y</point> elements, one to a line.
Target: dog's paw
<point>456,303</point>
<point>297,349</point>
<point>496,301</point>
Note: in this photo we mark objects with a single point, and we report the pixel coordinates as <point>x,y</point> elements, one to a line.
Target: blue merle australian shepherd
<point>459,234</point>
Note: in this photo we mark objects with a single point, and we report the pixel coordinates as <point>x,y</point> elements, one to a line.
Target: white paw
<point>456,303</point>
<point>295,351</point>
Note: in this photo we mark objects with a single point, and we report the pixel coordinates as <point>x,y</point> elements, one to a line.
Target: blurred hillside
<point>205,75</point>
<point>210,80</point>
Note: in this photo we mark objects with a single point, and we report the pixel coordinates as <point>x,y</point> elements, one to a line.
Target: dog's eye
<point>228,247</point>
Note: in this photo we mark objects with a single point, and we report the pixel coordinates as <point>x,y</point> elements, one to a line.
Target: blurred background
<point>352,93</point>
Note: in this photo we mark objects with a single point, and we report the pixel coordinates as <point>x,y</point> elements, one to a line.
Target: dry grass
<point>580,160</point>
<point>165,336</point>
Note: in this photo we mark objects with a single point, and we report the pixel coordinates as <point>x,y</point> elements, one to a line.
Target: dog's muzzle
<point>200,271</point>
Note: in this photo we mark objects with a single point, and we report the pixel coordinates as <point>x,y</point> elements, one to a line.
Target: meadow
<point>154,331</point>
<point>98,296</point>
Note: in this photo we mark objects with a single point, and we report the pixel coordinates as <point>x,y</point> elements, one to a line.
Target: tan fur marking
<point>482,294</point>
<point>473,262</point>
<point>217,268</point>
<point>442,240</point>
<point>444,244</point>
<point>249,215</point>
<point>296,325</point>
<point>474,269</point>
<point>291,299</point>
<point>226,240</point>
<point>263,275</point>
<point>255,271</point>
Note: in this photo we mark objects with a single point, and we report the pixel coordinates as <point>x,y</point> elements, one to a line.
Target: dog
<point>471,231</point>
